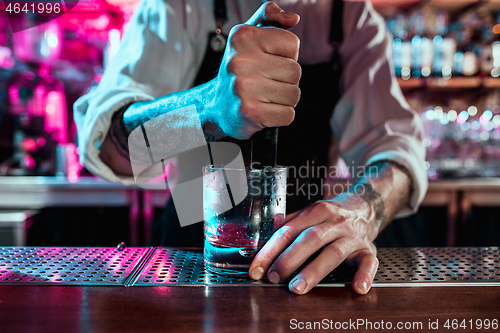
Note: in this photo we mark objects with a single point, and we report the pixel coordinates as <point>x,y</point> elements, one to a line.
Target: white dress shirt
<point>163,48</point>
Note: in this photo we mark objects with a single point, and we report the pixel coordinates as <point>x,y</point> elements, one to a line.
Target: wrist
<point>352,201</point>
<point>209,111</point>
<point>209,122</point>
<point>118,133</point>
<point>376,202</point>
<point>133,115</point>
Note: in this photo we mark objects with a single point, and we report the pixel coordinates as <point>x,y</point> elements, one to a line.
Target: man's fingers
<point>281,239</point>
<point>275,41</point>
<point>284,237</point>
<point>281,69</point>
<point>279,93</point>
<point>245,38</point>
<point>271,12</point>
<point>266,91</point>
<point>367,264</point>
<point>273,67</point>
<point>329,258</point>
<point>267,114</point>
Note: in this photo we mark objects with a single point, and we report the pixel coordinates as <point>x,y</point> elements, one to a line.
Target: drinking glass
<point>242,207</point>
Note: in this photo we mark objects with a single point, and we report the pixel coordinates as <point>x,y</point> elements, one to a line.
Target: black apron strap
<point>337,33</point>
<point>216,44</point>
<point>336,30</point>
<point>220,11</point>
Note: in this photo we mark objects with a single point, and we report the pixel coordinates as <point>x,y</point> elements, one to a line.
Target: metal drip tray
<point>438,266</point>
<point>399,267</point>
<point>169,266</point>
<point>73,266</point>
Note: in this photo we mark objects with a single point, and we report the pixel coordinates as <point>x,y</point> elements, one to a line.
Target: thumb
<point>271,12</point>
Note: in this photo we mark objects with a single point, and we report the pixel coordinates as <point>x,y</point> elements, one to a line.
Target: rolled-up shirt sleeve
<point>159,55</point>
<point>372,121</point>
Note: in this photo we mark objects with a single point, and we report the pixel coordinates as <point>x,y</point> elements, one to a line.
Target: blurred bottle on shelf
<point>401,45</point>
<point>463,140</point>
<point>444,48</point>
<point>462,125</point>
<point>426,43</point>
<point>495,46</point>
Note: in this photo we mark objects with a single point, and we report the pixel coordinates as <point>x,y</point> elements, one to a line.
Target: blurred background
<point>446,57</point>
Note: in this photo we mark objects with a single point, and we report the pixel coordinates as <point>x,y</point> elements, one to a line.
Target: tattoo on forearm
<point>118,133</point>
<point>368,193</point>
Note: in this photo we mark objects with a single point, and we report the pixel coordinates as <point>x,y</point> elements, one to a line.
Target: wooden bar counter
<point>242,309</point>
<point>162,289</point>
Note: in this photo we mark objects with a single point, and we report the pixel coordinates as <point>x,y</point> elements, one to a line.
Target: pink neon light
<point>73,165</point>
<point>72,177</point>
<point>56,115</point>
<point>483,120</point>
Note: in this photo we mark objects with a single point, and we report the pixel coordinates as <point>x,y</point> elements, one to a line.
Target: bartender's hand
<point>257,83</point>
<point>256,87</point>
<point>343,228</point>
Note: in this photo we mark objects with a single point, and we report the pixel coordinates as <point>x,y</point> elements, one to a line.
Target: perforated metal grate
<point>398,267</point>
<point>170,267</point>
<point>78,266</point>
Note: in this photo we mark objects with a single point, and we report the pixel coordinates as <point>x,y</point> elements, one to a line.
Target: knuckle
<point>336,251</point>
<point>241,34</point>
<point>298,71</point>
<point>285,263</point>
<point>269,8</point>
<point>314,273</point>
<point>249,109</point>
<point>316,234</point>
<point>293,43</point>
<point>322,206</point>
<point>296,95</point>
<point>234,65</point>
<point>234,35</point>
<point>286,235</point>
<point>288,116</point>
<point>241,86</point>
<point>295,71</point>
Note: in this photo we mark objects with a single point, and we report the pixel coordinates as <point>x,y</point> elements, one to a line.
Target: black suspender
<point>220,12</point>
<point>336,31</point>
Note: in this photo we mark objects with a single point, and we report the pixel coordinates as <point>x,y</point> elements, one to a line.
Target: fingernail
<point>257,273</point>
<point>273,277</point>
<point>298,285</point>
<point>363,286</point>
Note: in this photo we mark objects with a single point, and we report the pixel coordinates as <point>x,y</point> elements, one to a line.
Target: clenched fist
<point>257,83</point>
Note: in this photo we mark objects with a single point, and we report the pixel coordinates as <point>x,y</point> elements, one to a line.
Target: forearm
<point>159,118</point>
<point>386,186</point>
